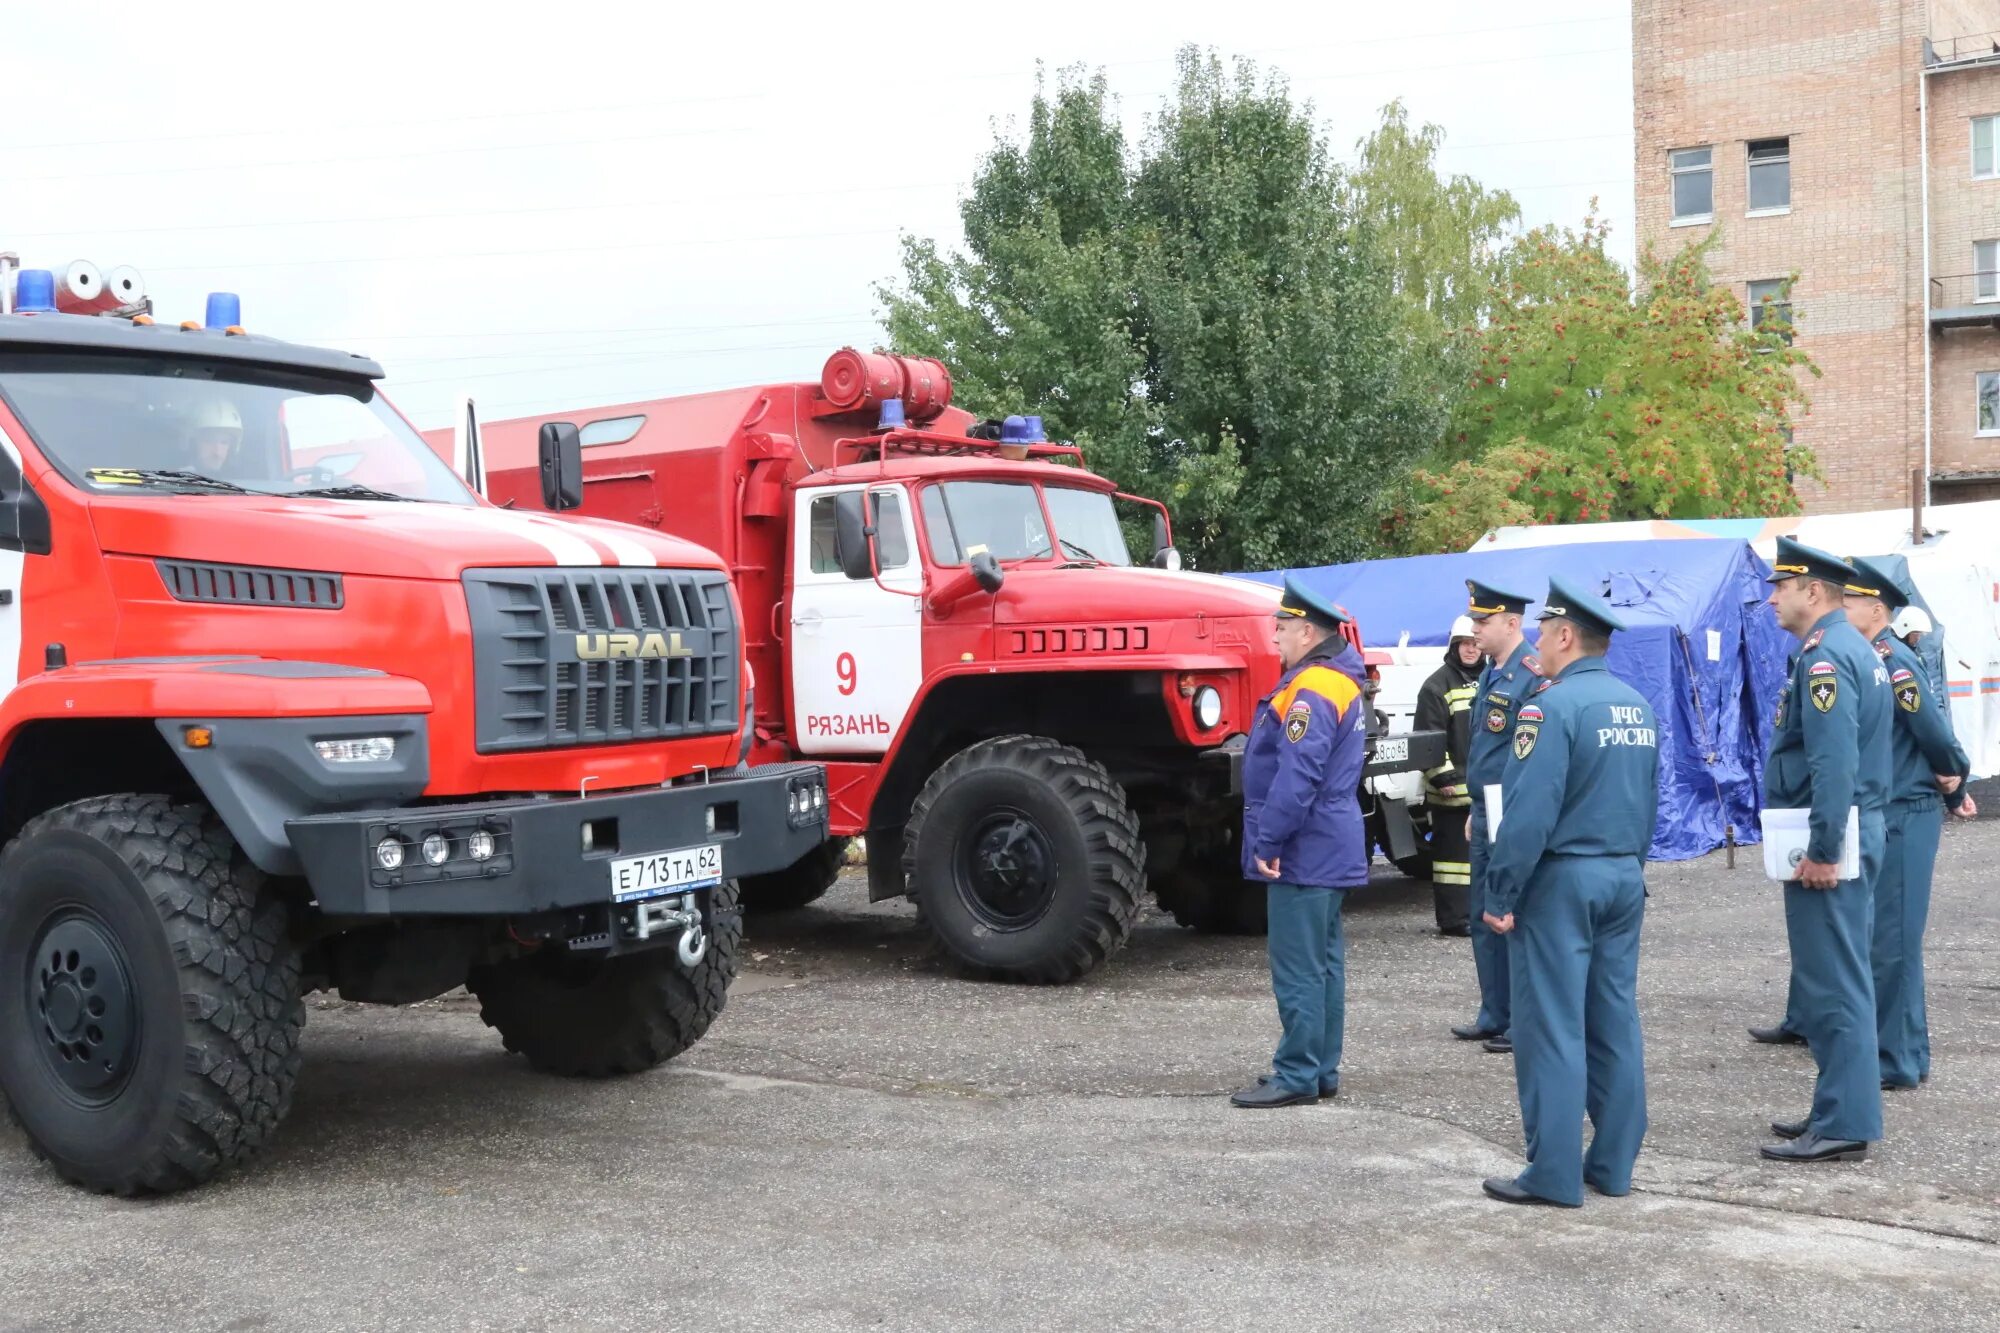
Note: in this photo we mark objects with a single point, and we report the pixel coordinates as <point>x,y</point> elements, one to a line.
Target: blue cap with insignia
<point>1871,581</point>
<point>1797,560</point>
<point>1300,603</point>
<point>1570,603</point>
<point>1483,600</point>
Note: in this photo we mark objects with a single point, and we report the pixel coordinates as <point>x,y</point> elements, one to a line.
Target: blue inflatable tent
<point>1702,646</point>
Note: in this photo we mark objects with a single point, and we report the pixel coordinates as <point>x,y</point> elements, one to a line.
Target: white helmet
<point>1461,628</point>
<point>1910,620</point>
<point>213,411</point>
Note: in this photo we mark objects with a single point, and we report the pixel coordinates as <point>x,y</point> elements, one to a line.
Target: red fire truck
<point>285,705</point>
<point>1026,723</point>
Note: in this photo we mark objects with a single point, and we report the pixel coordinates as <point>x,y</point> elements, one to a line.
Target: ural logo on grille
<point>1082,639</point>
<point>600,647</point>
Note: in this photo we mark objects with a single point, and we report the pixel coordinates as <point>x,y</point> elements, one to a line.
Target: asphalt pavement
<point>866,1141</point>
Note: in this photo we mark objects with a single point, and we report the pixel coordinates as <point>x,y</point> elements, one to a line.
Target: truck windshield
<point>176,423</point>
<point>1004,518</point>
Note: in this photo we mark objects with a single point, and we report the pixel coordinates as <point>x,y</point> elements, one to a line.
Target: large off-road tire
<point>804,881</point>
<point>1025,860</point>
<point>595,1018</point>
<point>149,995</point>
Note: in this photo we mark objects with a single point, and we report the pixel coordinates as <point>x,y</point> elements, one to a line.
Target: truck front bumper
<point>553,853</point>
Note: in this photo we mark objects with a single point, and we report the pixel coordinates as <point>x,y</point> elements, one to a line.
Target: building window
<point>1693,172</point>
<point>1986,270</point>
<point>1770,175</point>
<point>1989,402</point>
<point>1770,301</point>
<point>1985,137</point>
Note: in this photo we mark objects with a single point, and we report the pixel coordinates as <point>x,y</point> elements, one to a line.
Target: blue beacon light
<point>34,292</point>
<point>892,415</point>
<point>225,310</point>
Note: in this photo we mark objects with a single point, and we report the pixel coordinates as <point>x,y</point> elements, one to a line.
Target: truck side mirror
<point>987,571</point>
<point>561,455</point>
<point>1164,554</point>
<point>854,536</point>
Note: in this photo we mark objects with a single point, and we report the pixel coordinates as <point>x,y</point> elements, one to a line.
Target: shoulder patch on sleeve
<point>1909,694</point>
<point>1298,719</point>
<point>1524,740</point>
<point>1823,689</point>
<point>1821,669</point>
<point>1530,713</point>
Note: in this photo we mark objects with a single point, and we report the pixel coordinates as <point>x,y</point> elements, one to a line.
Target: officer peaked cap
<point>1797,560</point>
<point>1870,580</point>
<point>1310,606</point>
<point>1572,603</point>
<point>1483,600</point>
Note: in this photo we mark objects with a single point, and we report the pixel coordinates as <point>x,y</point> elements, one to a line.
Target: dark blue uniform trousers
<point>1911,830</point>
<point>1577,1047</point>
<point>1309,978</point>
<point>1489,951</point>
<point>1831,934</point>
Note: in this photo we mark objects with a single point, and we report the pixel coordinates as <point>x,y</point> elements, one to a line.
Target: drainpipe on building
<point>1924,177</point>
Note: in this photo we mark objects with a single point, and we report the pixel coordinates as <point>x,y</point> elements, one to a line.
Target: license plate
<point>659,873</point>
<point>1392,749</point>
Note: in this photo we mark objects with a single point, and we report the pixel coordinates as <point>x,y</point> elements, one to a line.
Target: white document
<point>1715,645</point>
<point>1786,834</point>
<point>1492,792</point>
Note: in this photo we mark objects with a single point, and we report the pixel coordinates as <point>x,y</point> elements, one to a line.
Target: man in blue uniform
<point>1565,885</point>
<point>1928,760</point>
<point>1303,840</point>
<point>1830,753</point>
<point>1511,673</point>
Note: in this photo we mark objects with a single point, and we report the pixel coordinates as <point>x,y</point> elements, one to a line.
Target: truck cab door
<point>856,646</point>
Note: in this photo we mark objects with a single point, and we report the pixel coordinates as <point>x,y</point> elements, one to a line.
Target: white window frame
<point>1978,377</point>
<point>1751,305</point>
<point>1992,171</point>
<point>1775,210</point>
<point>1986,271</point>
<point>1675,171</point>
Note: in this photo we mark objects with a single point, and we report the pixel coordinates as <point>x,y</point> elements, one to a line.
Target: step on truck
<point>287,706</point>
<point>1028,725</point>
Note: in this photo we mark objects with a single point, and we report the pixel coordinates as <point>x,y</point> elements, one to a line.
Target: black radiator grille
<point>597,656</point>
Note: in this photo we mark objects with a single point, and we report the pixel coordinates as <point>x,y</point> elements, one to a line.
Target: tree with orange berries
<point>1588,401</point>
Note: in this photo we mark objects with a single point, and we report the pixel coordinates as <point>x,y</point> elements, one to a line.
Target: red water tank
<point>853,380</point>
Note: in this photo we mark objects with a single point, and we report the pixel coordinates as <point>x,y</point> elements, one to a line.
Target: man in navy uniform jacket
<point>1303,840</point>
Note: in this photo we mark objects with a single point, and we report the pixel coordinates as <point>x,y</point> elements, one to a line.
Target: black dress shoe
<point>1810,1147</point>
<point>1790,1129</point>
<point>1506,1191</point>
<point>1456,932</point>
<point>1887,1086</point>
<point>1473,1032</point>
<point>1777,1036</point>
<point>1325,1089</point>
<point>1500,1045</point>
<point>1263,1096</point>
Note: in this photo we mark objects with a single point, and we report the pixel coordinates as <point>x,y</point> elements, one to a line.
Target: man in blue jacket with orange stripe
<point>1303,840</point>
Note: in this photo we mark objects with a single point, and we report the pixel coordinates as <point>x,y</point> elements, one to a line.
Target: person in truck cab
<point>1445,704</point>
<point>1304,841</point>
<point>214,434</point>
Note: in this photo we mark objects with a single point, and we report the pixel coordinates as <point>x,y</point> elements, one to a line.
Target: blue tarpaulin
<point>1702,646</point>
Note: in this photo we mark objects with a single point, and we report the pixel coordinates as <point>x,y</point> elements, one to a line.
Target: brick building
<point>1856,144</point>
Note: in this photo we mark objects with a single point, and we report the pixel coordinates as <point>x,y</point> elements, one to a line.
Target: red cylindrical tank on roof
<point>852,380</point>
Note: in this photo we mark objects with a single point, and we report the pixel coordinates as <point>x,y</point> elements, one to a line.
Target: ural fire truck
<point>288,706</point>
<point>1027,724</point>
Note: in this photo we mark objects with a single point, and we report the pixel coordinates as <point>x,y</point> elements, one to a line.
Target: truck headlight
<point>1208,707</point>
<point>479,844</point>
<point>363,750</point>
<point>437,848</point>
<point>389,853</point>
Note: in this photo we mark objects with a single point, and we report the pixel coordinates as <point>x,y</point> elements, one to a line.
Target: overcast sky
<point>562,205</point>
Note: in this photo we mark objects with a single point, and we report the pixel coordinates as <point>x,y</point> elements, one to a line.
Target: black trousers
<point>1451,864</point>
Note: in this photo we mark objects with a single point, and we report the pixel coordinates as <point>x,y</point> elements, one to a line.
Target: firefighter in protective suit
<point>1303,840</point>
<point>1445,704</point>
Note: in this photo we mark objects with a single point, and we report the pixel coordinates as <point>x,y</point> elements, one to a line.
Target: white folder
<point>1786,834</point>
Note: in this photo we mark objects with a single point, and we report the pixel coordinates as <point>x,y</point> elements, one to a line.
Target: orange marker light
<point>198,738</point>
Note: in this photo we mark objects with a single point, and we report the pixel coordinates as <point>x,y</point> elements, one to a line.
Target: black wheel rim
<point>1005,868</point>
<point>81,1006</point>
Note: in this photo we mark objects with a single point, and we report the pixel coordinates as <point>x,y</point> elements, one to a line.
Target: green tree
<point>1443,241</point>
<point>1584,402</point>
<point>1207,314</point>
